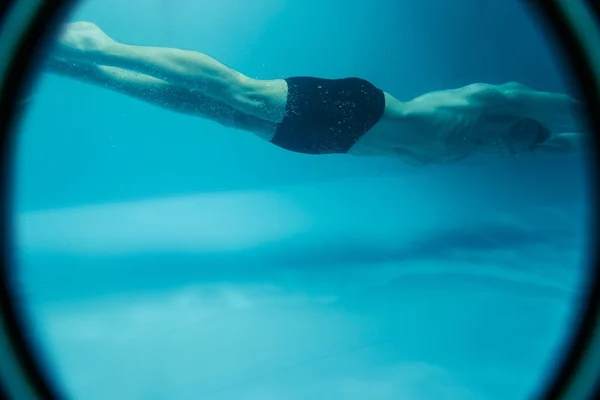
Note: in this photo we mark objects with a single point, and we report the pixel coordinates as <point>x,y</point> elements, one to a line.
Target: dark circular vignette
<point>582,76</point>
<point>20,71</point>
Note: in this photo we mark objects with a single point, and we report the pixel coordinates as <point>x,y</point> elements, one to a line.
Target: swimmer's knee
<point>241,93</point>
<point>238,86</point>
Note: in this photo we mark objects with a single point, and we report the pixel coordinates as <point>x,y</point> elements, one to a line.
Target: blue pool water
<point>163,256</point>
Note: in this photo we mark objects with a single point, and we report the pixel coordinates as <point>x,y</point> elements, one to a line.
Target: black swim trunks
<point>325,116</point>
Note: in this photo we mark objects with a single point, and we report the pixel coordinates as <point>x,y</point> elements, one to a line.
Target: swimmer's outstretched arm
<point>563,143</point>
<point>561,113</point>
<point>85,42</point>
<point>158,93</point>
<point>557,111</point>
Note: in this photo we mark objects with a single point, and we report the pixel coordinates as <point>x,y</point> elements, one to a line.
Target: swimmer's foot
<point>82,41</point>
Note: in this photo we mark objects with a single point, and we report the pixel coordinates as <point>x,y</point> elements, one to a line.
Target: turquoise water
<point>166,257</point>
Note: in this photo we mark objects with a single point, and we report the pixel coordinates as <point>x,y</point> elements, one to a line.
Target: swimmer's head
<point>522,136</point>
<point>526,135</point>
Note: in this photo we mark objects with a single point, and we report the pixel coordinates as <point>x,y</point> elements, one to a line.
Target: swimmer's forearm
<point>558,111</point>
<point>563,143</point>
<point>531,99</point>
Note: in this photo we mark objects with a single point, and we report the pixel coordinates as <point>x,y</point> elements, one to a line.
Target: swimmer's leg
<point>159,93</point>
<point>265,99</point>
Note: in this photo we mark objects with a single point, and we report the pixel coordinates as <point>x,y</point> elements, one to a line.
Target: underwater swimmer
<point>323,116</point>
